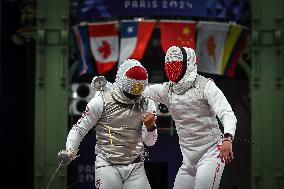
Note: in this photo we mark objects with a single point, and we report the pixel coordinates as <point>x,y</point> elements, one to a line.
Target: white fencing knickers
<point>206,174</point>
<point>121,176</point>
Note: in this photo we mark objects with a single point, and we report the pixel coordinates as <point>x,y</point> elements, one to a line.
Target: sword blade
<point>53,175</point>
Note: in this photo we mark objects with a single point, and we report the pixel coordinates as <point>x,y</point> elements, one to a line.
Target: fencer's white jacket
<point>118,124</point>
<point>194,113</point>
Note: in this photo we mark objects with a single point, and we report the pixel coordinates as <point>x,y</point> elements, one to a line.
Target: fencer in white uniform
<point>194,102</point>
<point>118,114</point>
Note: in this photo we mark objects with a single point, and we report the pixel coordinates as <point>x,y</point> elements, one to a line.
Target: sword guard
<point>66,156</point>
<point>99,83</point>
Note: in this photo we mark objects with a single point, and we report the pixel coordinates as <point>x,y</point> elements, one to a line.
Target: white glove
<point>66,156</point>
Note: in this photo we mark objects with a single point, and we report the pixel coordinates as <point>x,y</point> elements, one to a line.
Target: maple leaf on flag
<point>105,49</point>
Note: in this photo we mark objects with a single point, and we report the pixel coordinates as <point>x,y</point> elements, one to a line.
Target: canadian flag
<point>104,45</point>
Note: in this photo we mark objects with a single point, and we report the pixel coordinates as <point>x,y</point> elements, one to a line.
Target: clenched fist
<point>66,156</point>
<point>149,120</point>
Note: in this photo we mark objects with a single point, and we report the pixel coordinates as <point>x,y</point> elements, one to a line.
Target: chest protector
<point>119,130</point>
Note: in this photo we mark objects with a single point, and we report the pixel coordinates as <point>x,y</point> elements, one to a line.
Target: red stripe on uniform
<point>215,175</point>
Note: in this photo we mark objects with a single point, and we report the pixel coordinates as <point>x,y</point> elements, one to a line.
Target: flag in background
<point>82,45</point>
<point>178,33</point>
<point>135,36</point>
<point>237,52</point>
<point>210,44</point>
<point>104,45</point>
<point>230,43</point>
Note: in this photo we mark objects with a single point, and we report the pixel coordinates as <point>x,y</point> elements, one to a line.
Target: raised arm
<point>157,92</point>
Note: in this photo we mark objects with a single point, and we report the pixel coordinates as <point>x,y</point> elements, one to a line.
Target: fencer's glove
<point>66,156</point>
<point>149,120</point>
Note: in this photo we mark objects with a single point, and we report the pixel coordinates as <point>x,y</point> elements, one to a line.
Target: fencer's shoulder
<point>95,105</point>
<point>211,87</point>
<point>165,86</point>
<point>202,78</point>
<point>97,99</point>
<point>200,81</point>
<point>210,79</point>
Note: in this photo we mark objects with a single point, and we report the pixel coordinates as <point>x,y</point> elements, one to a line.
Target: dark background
<point>16,90</point>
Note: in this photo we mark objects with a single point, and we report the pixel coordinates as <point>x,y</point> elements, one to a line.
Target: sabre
<point>53,175</point>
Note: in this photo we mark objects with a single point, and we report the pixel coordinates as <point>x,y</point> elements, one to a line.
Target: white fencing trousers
<point>206,174</point>
<point>122,177</point>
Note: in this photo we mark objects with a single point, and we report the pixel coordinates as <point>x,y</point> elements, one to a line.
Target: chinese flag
<point>177,33</point>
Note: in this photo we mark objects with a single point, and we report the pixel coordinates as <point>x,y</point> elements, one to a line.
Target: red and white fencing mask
<point>132,77</point>
<point>175,63</point>
<point>181,68</point>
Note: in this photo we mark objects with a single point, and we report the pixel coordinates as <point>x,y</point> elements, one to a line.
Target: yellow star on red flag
<point>177,33</point>
<point>186,30</point>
